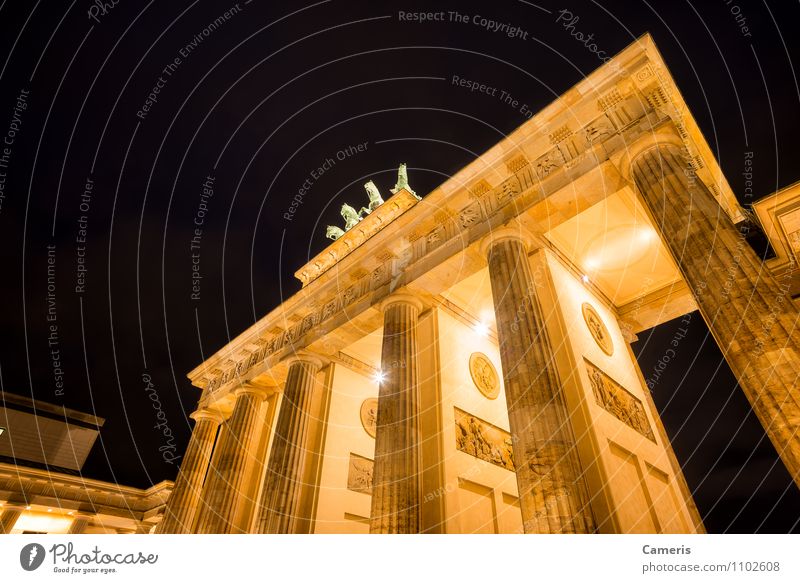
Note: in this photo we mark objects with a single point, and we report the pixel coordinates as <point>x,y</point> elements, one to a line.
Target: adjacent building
<point>43,448</point>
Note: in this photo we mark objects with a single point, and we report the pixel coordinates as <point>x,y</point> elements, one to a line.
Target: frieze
<point>479,188</point>
<point>435,236</point>
<point>549,163</point>
<point>599,130</point>
<point>508,190</point>
<point>482,440</point>
<point>470,215</point>
<point>515,164</point>
<point>560,134</point>
<point>609,100</point>
<point>308,323</point>
<point>618,401</point>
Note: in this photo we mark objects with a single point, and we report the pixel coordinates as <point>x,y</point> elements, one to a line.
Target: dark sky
<point>261,102</point>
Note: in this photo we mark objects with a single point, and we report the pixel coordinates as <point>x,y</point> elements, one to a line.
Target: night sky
<point>107,184</point>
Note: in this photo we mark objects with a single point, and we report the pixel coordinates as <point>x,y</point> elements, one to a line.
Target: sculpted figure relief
<point>618,401</point>
<point>483,440</point>
<point>598,329</point>
<point>369,416</point>
<point>359,476</point>
<point>484,375</point>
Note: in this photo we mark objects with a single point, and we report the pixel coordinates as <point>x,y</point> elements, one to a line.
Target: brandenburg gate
<point>460,362</point>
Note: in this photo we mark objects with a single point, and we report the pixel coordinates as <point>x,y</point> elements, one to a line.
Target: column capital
<point>258,391</point>
<point>207,414</point>
<point>403,296</point>
<point>511,231</point>
<point>663,137</point>
<point>316,360</point>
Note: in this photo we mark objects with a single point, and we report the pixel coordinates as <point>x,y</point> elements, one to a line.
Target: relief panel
<point>359,475</point>
<point>618,401</point>
<point>483,440</point>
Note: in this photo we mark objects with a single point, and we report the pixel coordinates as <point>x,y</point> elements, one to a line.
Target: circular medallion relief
<point>598,330</point>
<point>369,415</point>
<point>484,375</point>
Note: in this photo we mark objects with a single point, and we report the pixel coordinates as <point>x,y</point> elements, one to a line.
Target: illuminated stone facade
<point>545,256</point>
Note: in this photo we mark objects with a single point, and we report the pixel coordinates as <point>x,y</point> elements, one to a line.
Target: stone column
<point>223,485</point>
<point>79,523</point>
<point>397,475</point>
<point>285,504</point>
<point>552,492</point>
<point>182,504</point>
<point>750,314</point>
<point>9,517</point>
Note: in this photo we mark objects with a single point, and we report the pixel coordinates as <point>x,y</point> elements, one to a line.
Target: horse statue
<point>375,199</point>
<point>333,233</point>
<point>350,216</point>
<point>402,181</point>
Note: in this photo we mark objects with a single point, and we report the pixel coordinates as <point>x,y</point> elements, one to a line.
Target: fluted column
<point>8,518</point>
<point>284,503</point>
<point>182,504</point>
<point>750,314</point>
<point>396,478</point>
<point>552,492</point>
<point>223,485</point>
<point>79,524</point>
